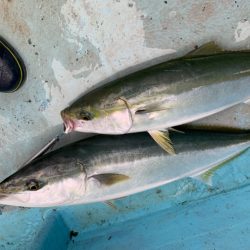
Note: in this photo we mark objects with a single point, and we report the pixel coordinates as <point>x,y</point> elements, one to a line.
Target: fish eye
<point>86,116</point>
<point>33,185</point>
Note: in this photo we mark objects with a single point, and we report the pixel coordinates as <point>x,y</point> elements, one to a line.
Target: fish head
<point>19,183</point>
<point>44,184</point>
<point>113,117</point>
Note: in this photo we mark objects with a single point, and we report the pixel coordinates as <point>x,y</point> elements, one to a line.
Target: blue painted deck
<point>185,214</point>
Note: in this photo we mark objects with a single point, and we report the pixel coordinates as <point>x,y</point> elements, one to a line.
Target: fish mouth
<point>68,123</point>
<point>68,126</point>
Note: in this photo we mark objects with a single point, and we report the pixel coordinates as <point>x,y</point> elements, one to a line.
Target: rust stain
<point>10,15</point>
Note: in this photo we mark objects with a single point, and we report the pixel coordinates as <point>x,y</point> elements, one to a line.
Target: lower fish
<point>234,119</point>
<point>104,168</point>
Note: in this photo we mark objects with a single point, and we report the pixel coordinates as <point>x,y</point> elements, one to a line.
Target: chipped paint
<point>172,14</point>
<point>242,31</point>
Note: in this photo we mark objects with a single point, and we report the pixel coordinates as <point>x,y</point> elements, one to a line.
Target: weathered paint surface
<point>71,46</point>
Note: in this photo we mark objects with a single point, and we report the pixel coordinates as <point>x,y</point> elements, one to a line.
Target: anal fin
<point>163,140</point>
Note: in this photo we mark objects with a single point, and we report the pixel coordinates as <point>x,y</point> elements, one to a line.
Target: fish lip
<point>68,123</point>
<point>68,126</point>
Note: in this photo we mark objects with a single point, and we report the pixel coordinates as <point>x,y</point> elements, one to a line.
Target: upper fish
<point>206,81</point>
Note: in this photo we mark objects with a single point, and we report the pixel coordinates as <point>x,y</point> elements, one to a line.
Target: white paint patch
<point>120,42</point>
<point>242,31</point>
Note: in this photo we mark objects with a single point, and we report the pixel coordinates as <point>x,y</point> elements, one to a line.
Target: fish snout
<point>68,122</point>
<point>64,114</point>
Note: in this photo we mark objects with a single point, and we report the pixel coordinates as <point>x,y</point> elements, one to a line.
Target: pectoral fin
<point>162,138</point>
<point>109,178</point>
<point>151,108</point>
<point>207,176</point>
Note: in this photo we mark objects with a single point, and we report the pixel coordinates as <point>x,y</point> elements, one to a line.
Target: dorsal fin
<point>209,48</point>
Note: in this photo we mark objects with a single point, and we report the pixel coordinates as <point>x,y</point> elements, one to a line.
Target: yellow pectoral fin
<point>163,140</point>
<point>153,108</point>
<point>110,178</point>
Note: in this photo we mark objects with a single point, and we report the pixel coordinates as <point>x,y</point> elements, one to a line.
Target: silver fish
<point>176,92</point>
<point>103,168</point>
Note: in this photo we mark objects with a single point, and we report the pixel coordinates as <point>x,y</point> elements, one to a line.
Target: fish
<point>204,82</point>
<point>106,167</point>
<point>234,119</point>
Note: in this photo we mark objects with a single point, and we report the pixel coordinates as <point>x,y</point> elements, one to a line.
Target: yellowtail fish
<point>105,167</point>
<point>204,82</point>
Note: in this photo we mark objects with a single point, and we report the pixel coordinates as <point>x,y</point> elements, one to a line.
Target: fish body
<point>105,167</point>
<point>169,94</point>
<point>234,119</point>
<point>173,93</point>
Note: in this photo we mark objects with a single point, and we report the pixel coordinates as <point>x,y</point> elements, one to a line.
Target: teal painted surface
<point>186,214</point>
<point>214,223</point>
